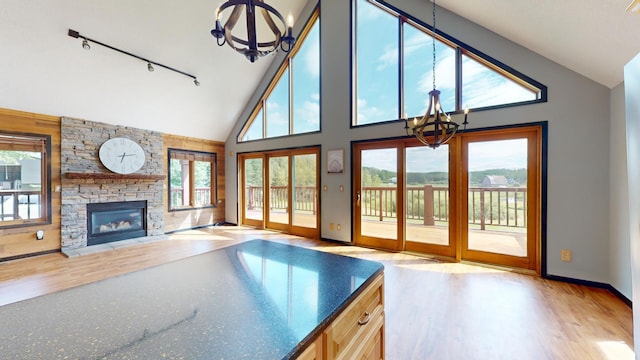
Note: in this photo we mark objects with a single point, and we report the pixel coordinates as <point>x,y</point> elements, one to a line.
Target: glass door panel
<point>376,197</point>
<point>497,197</point>
<point>427,200</point>
<point>278,190</point>
<point>253,179</point>
<point>305,194</point>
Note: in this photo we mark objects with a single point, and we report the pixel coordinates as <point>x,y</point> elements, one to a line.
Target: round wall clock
<point>122,155</point>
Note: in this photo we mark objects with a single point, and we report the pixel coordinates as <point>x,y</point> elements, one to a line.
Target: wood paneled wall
<point>185,219</point>
<point>22,240</point>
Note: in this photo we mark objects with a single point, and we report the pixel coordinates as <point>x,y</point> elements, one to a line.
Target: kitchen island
<point>254,300</point>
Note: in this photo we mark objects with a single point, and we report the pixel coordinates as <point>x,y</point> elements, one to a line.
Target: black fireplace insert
<point>113,221</point>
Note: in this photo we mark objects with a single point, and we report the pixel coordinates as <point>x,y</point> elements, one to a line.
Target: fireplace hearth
<point>114,221</point>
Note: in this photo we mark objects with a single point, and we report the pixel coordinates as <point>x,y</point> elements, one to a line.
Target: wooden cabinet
<point>358,332</point>
<point>313,351</point>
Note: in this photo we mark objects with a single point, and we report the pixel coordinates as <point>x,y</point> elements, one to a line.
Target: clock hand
<point>125,155</point>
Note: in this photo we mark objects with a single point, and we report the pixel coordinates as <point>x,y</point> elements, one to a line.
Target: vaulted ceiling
<point>43,70</point>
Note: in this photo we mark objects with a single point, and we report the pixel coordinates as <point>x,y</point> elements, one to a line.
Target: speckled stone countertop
<point>255,300</point>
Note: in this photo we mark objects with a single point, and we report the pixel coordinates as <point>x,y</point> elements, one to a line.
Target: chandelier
<point>436,126</point>
<point>252,47</point>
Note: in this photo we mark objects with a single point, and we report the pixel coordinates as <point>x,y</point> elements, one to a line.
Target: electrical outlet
<point>565,255</point>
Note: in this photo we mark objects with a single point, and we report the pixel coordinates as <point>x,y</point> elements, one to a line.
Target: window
<point>291,105</point>
<point>394,70</point>
<point>24,179</point>
<point>192,179</point>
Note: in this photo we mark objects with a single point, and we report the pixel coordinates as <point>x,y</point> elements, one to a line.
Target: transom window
<point>291,104</point>
<point>192,179</point>
<point>394,70</point>
<point>24,179</point>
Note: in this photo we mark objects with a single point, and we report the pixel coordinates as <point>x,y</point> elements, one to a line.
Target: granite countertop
<point>255,300</point>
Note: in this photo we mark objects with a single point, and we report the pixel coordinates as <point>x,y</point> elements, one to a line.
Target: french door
<point>476,198</point>
<point>280,191</point>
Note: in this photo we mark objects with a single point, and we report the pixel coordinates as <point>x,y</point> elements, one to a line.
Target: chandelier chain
<point>433,43</point>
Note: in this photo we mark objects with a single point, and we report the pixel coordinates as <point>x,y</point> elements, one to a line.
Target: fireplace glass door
<point>115,221</point>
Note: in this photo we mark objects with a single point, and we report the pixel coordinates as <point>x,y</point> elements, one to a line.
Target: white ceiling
<point>43,70</point>
<point>595,38</point>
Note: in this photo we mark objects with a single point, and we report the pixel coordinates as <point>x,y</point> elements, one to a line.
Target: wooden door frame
<point>241,196</point>
<point>313,233</point>
<point>458,194</point>
<point>369,241</point>
<point>534,135</point>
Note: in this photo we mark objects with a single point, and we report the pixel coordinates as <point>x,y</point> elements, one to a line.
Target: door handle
<point>358,198</point>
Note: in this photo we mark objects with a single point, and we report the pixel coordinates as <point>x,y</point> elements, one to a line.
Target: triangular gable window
<point>291,104</point>
<point>394,72</point>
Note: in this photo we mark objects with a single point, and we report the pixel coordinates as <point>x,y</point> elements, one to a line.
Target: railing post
<point>482,222</point>
<point>428,205</point>
<point>380,192</point>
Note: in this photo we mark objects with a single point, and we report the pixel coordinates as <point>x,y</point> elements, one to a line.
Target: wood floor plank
<point>434,309</point>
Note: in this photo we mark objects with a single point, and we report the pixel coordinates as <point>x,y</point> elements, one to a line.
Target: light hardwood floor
<point>434,309</point>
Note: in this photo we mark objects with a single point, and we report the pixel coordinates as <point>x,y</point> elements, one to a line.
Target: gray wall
<point>632,113</point>
<point>577,112</point>
<point>619,258</point>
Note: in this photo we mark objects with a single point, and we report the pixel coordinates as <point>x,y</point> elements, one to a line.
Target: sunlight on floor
<point>616,350</point>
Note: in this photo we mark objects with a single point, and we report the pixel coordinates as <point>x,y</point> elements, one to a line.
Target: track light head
<point>150,67</point>
<point>85,45</point>
<point>196,82</point>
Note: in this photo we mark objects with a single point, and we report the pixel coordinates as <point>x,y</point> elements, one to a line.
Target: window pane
<point>427,195</point>
<point>255,129</point>
<point>482,86</point>
<point>278,189</point>
<point>20,185</point>
<point>306,84</point>
<point>377,64</point>
<point>179,174</point>
<point>277,111</point>
<point>305,190</point>
<point>497,210</point>
<point>202,194</point>
<point>253,198</point>
<point>418,72</point>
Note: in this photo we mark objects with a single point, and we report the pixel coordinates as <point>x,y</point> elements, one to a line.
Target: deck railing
<point>20,204</point>
<point>305,198</point>
<point>202,196</point>
<point>489,205</point>
<point>427,204</point>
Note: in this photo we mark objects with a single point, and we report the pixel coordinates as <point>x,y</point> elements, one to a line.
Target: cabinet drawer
<point>356,322</point>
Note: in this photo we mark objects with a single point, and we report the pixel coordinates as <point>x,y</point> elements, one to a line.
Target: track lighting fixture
<point>150,64</point>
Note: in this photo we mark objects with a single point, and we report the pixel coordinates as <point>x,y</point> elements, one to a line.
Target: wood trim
<point>113,176</point>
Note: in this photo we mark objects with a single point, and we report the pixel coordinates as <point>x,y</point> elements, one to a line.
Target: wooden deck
<point>500,242</point>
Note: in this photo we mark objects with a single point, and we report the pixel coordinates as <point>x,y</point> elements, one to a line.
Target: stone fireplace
<point>81,196</point>
<point>113,221</point>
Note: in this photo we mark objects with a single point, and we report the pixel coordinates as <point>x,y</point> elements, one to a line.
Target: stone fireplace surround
<point>80,142</point>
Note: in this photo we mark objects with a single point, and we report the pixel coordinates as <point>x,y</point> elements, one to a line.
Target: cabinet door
<point>313,351</point>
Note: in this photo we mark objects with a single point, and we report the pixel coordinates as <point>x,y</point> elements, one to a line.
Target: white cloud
<point>312,57</point>
<point>388,58</point>
<point>368,114</point>
<point>308,113</point>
